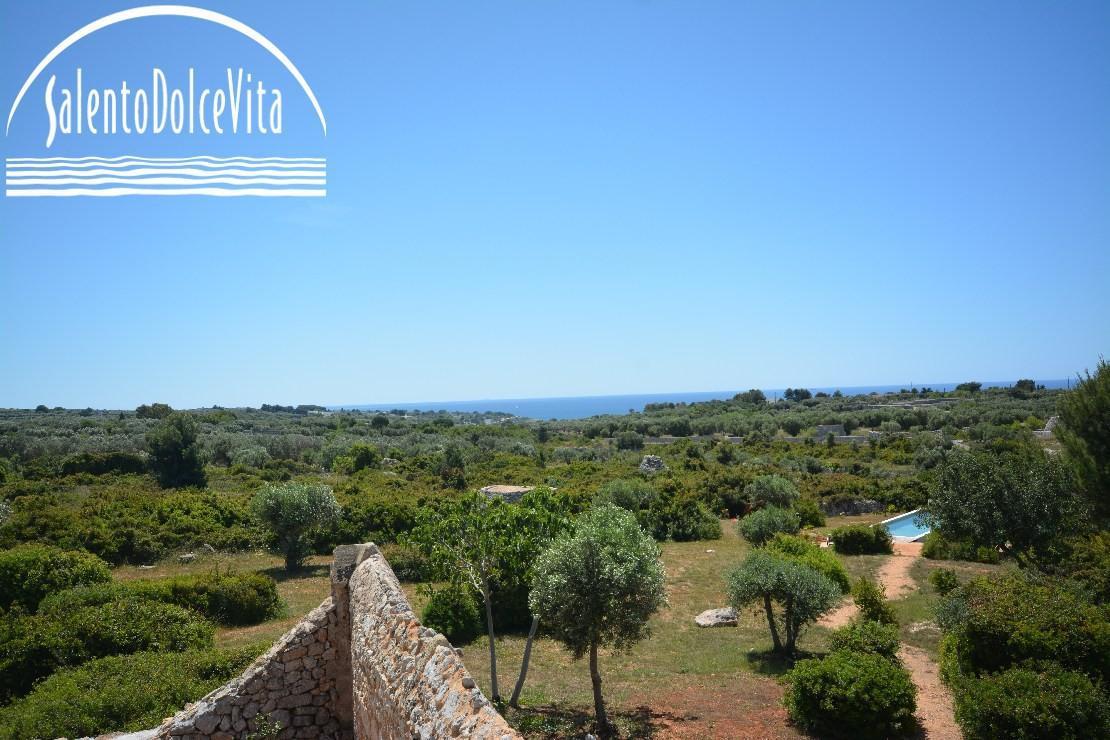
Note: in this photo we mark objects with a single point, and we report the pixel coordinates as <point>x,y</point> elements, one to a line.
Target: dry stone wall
<point>407,680</point>
<point>358,666</point>
<point>292,684</point>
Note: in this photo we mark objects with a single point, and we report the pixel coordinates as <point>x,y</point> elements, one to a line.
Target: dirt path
<point>934,703</point>
<point>895,577</point>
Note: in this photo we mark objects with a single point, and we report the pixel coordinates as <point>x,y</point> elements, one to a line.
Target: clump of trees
<point>488,547</point>
<point>1019,502</point>
<point>597,586</point>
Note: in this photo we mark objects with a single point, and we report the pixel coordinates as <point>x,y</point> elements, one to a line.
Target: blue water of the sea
<point>581,407</point>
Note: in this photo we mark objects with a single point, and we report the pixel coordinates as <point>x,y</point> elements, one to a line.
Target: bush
<point>860,539</point>
<point>235,600</point>
<point>866,636</point>
<point>409,564</point>
<point>761,526</point>
<point>453,611</point>
<point>820,559</point>
<point>631,495</point>
<point>809,512</point>
<point>944,581</point>
<point>174,453</point>
<point>851,695</point>
<point>870,597</point>
<point>1088,562</point>
<point>685,519</point>
<point>771,490</point>
<point>104,463</point>
<point>34,647</point>
<point>937,547</point>
<point>1009,622</point>
<point>29,573</point>
<point>1023,703</point>
<point>144,688</point>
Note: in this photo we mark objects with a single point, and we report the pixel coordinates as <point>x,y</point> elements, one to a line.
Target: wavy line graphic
<point>121,165</point>
<point>167,171</point>
<point>31,160</point>
<point>217,192</point>
<point>165,181</point>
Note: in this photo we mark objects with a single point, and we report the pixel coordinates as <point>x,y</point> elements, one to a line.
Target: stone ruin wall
<point>359,666</point>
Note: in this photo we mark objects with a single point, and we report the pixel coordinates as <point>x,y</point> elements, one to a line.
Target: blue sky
<point>564,198</point>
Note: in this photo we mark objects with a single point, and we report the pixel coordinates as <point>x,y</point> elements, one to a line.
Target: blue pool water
<point>909,526</point>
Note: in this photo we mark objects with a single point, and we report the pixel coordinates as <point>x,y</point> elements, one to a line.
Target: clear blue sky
<point>564,198</point>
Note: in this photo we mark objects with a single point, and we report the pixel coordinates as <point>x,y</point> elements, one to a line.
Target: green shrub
<point>944,581</point>
<point>809,512</point>
<point>29,573</point>
<point>771,490</point>
<point>936,547</point>
<point>1088,562</point>
<point>820,559</point>
<point>104,463</point>
<point>866,636</point>
<point>453,612</point>
<point>761,526</point>
<point>851,695</point>
<point>1023,703</point>
<point>34,647</point>
<point>408,563</point>
<point>870,597</point>
<point>685,519</point>
<point>117,693</point>
<point>860,539</point>
<point>1009,621</point>
<point>236,600</point>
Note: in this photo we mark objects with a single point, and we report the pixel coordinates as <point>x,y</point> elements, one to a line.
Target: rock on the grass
<point>652,464</point>
<point>725,617</point>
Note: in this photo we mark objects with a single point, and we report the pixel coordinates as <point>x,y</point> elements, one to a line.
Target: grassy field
<point>682,681</point>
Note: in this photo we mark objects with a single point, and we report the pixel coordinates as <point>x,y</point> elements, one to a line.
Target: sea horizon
<point>584,407</point>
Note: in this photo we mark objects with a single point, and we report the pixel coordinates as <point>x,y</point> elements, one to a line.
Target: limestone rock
<point>652,464</point>
<point>725,617</point>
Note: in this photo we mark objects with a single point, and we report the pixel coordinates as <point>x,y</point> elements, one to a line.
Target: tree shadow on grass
<point>554,721</point>
<point>280,574</point>
<point>770,663</point>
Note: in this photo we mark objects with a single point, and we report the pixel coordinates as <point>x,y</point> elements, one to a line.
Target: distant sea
<point>581,407</point>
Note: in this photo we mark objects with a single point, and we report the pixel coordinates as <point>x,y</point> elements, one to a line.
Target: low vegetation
<point>577,562</point>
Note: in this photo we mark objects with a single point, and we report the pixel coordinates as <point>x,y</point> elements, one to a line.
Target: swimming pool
<point>908,527</point>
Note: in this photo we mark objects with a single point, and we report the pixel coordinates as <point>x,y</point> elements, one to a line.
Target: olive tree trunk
<point>492,647</point>
<point>514,700</point>
<point>771,623</point>
<point>599,704</point>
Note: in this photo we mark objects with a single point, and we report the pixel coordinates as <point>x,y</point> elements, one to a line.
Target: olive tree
<point>598,585</point>
<point>761,526</point>
<point>802,593</point>
<point>291,511</point>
